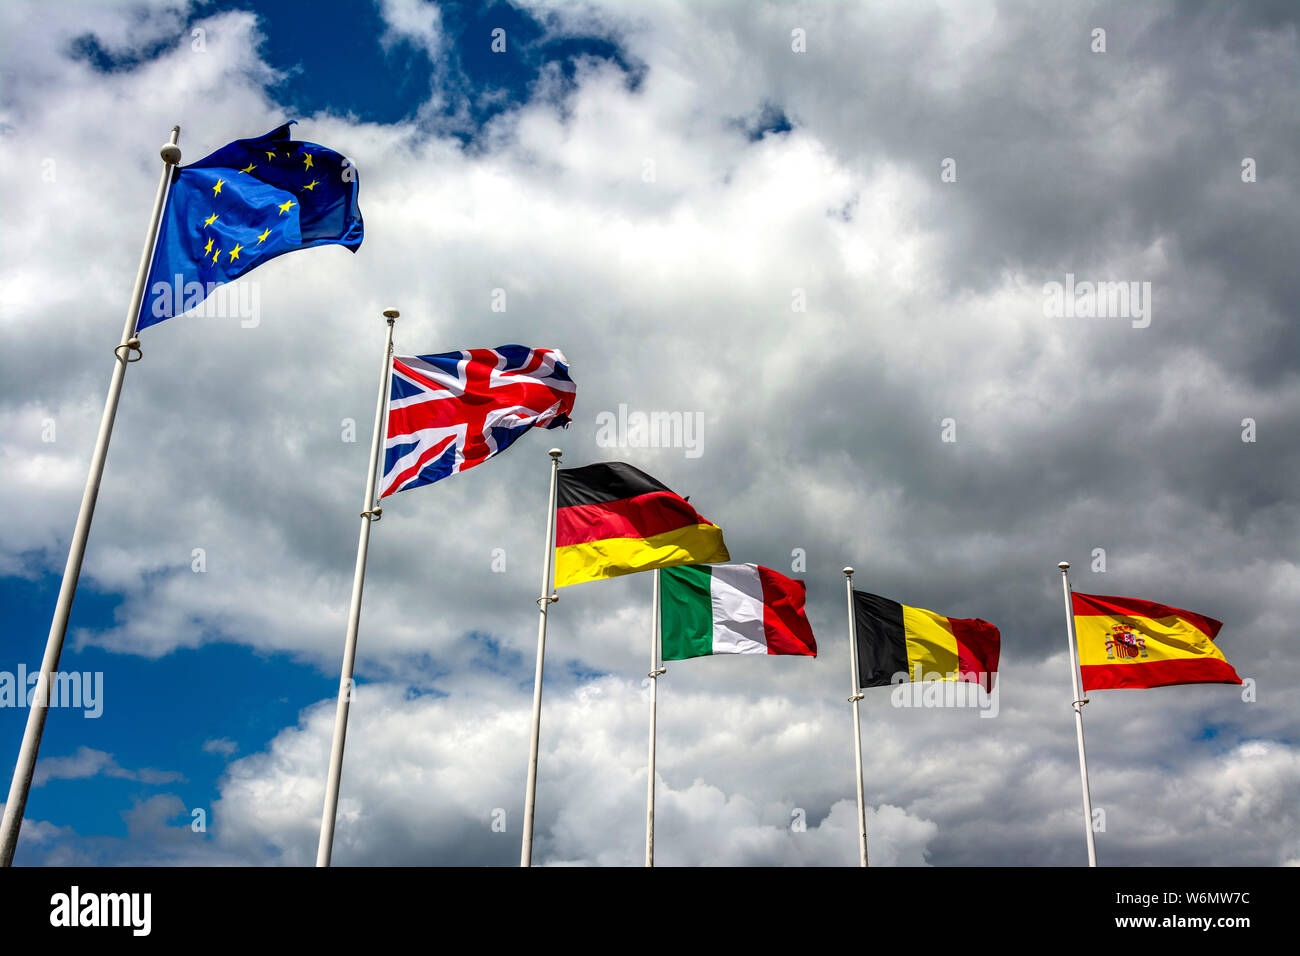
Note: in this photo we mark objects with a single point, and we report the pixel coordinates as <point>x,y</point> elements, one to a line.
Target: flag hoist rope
<point>857,727</point>
<point>125,353</point>
<point>1077,704</point>
<point>656,669</point>
<point>544,601</point>
<point>371,512</point>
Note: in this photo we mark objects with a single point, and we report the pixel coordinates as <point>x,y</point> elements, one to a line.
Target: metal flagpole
<point>857,728</point>
<point>371,513</point>
<point>1077,704</point>
<point>130,346</point>
<point>547,598</point>
<point>656,669</point>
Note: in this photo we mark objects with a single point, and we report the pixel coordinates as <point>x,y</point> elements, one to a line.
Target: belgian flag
<point>896,639</point>
<point>614,519</point>
<point>1128,642</point>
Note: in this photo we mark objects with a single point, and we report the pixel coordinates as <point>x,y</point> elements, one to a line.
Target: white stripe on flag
<point>737,595</point>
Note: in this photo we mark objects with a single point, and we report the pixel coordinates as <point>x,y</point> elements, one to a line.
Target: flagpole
<point>21,783</point>
<point>656,669</point>
<point>371,513</point>
<point>544,601</point>
<point>1077,704</point>
<point>857,726</point>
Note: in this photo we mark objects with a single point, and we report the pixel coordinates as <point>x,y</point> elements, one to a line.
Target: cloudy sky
<point>825,228</point>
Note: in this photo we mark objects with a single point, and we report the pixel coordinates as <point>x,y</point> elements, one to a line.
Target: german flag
<point>896,639</point>
<point>614,519</point>
<point>1127,642</point>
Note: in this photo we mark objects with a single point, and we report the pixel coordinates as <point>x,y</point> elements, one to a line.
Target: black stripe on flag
<point>602,482</point>
<point>882,644</point>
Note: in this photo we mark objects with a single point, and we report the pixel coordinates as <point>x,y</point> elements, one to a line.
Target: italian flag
<point>731,609</point>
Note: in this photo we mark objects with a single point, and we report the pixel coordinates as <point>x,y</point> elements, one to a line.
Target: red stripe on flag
<point>785,626</point>
<point>639,517</point>
<point>979,645</point>
<point>1098,605</point>
<point>1192,670</point>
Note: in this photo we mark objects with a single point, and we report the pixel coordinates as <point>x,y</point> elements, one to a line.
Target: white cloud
<point>426,779</point>
<point>88,762</point>
<point>222,746</point>
<point>414,21</point>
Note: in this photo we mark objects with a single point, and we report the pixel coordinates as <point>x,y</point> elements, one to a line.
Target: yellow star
<point>307,161</point>
<point>234,253</point>
<point>262,238</point>
<point>286,206</point>
<point>208,247</point>
<point>312,185</point>
<point>249,168</point>
<point>215,253</point>
<point>270,154</point>
<point>216,190</point>
<point>210,220</point>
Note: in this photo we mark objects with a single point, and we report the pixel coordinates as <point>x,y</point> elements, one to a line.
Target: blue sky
<point>333,58</point>
<point>710,217</point>
<point>157,713</point>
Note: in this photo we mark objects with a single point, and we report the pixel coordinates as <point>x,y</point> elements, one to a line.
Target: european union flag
<point>246,203</point>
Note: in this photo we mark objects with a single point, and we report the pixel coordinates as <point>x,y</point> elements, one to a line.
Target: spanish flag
<point>1125,642</point>
<point>614,519</point>
<point>917,645</point>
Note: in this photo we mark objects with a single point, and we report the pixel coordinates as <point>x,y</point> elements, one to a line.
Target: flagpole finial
<point>555,453</point>
<point>1064,566</point>
<point>391,315</point>
<point>848,572</point>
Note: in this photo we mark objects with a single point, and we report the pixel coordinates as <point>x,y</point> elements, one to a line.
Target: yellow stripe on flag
<point>595,560</point>
<point>931,645</point>
<point>1133,637</point>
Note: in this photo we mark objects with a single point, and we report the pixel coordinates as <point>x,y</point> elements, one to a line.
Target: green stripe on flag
<point>686,612</point>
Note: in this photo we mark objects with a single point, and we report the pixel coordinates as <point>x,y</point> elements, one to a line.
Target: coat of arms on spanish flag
<point>1127,642</point>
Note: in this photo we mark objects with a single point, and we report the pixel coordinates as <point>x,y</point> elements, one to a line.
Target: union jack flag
<point>456,410</point>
